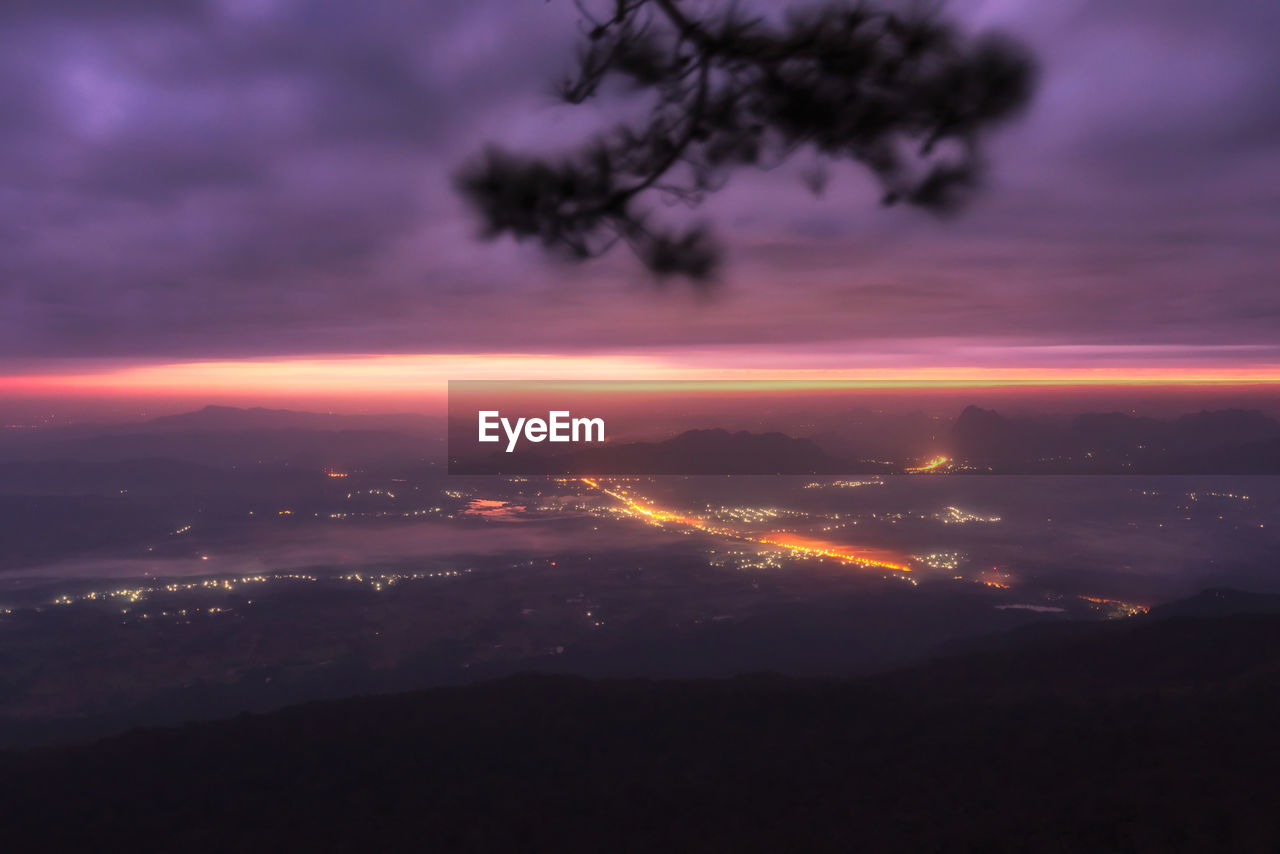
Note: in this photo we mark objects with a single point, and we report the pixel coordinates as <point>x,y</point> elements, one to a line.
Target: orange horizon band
<point>405,375</point>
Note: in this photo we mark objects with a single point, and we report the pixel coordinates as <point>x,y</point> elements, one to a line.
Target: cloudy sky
<point>252,179</point>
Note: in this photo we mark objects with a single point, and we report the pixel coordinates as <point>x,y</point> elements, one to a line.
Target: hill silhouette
<point>1141,735</point>
<point>226,435</point>
<point>1226,441</point>
<point>693,452</point>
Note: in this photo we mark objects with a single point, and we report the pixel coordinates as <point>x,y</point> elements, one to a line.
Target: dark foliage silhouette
<point>904,94</point>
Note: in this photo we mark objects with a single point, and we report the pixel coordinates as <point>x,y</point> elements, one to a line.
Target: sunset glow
<point>409,375</point>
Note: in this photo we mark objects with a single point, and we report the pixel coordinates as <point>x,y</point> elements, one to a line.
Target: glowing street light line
<point>790,542</point>
<point>931,465</point>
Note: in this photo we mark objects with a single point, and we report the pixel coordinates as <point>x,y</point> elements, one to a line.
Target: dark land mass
<point>1148,734</point>
<point>79,673</point>
<point>1226,441</point>
<point>693,452</point>
<point>1223,442</point>
<point>226,436</point>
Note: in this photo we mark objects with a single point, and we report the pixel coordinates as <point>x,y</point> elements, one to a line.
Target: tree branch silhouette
<point>907,96</point>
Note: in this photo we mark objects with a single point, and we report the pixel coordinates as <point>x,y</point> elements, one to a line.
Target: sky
<point>244,183</point>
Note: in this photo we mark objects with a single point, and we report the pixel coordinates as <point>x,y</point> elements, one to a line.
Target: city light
<point>931,465</point>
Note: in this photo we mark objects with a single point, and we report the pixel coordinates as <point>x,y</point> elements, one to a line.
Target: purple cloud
<point>253,177</point>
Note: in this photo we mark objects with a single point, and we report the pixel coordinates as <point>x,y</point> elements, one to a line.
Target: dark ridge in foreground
<point>1152,735</point>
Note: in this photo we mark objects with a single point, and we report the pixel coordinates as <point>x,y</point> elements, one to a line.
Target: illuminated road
<point>803,546</point>
<point>932,465</point>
